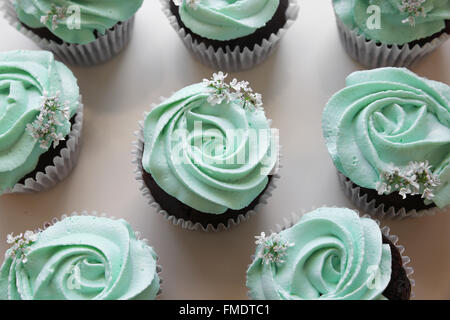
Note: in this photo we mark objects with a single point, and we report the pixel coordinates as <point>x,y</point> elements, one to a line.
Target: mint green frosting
<point>186,167</point>
<point>227,19</point>
<point>94,15</point>
<point>83,258</point>
<point>24,77</point>
<point>336,256</point>
<point>389,116</point>
<point>354,14</point>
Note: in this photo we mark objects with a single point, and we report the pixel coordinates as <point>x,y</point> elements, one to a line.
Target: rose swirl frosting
<point>26,78</point>
<point>332,254</point>
<point>81,258</point>
<point>390,117</point>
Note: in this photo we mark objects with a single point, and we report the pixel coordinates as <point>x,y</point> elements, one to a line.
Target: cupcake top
<point>210,145</point>
<point>38,96</point>
<point>79,258</point>
<point>389,130</point>
<point>394,21</point>
<point>226,19</point>
<point>75,21</point>
<point>330,253</point>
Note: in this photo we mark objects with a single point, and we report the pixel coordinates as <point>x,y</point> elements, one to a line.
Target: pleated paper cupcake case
<point>374,55</point>
<point>138,235</point>
<point>62,166</point>
<point>104,48</point>
<point>380,211</point>
<point>239,59</point>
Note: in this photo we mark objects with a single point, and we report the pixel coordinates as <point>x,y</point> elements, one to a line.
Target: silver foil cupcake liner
<point>374,55</point>
<point>104,48</point>
<point>63,164</point>
<point>137,152</point>
<point>294,218</point>
<point>138,235</point>
<point>380,211</point>
<point>238,59</point>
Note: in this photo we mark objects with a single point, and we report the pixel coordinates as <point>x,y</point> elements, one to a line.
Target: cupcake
<point>388,134</point>
<point>397,33</point>
<point>233,35</point>
<point>80,258</point>
<point>78,32</point>
<point>207,156</point>
<point>330,254</point>
<point>41,118</point>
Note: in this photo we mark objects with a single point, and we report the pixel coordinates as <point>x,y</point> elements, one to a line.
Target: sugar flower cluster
<point>55,15</point>
<point>191,3</point>
<point>414,8</point>
<point>52,114</point>
<point>416,178</point>
<point>20,245</point>
<point>273,248</point>
<point>221,91</point>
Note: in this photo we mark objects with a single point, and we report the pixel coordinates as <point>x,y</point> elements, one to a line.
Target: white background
<point>308,67</point>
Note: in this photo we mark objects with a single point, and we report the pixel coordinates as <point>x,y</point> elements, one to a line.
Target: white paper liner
<point>232,60</point>
<point>138,235</point>
<point>63,164</point>
<point>104,48</point>
<point>380,211</point>
<point>374,55</point>
<point>137,152</point>
<point>294,218</point>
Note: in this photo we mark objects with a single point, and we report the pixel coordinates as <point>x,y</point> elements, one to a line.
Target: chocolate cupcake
<point>41,119</point>
<point>330,254</point>
<point>207,156</point>
<point>398,33</point>
<point>78,33</point>
<point>388,133</point>
<point>231,36</point>
<point>81,257</point>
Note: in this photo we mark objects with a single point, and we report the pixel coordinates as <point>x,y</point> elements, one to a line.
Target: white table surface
<point>308,67</point>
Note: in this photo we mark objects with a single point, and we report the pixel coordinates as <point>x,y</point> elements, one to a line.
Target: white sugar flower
<point>30,236</point>
<point>416,178</point>
<point>216,98</point>
<point>274,248</point>
<point>414,9</point>
<point>235,91</point>
<point>45,127</point>
<point>20,245</point>
<point>55,15</point>
<point>10,238</point>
